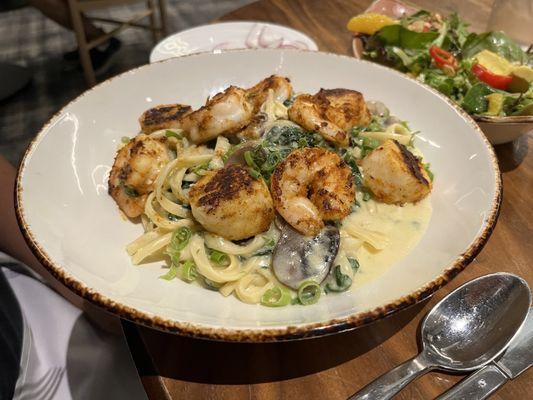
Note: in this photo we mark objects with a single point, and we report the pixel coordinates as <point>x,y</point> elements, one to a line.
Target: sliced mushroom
<point>298,258</point>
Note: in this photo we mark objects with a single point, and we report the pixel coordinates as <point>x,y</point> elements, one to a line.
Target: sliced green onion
<point>309,292</point>
<point>171,274</point>
<point>125,139</point>
<point>353,263</point>
<point>370,143</point>
<point>202,167</point>
<point>248,157</point>
<point>188,271</point>
<point>180,238</point>
<point>340,282</point>
<point>255,174</point>
<point>218,257</point>
<point>169,133</point>
<point>278,296</point>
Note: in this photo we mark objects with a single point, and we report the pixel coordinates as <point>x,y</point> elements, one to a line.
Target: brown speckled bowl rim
<point>262,334</point>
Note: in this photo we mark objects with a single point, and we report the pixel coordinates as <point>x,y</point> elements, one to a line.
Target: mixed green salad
<point>486,74</point>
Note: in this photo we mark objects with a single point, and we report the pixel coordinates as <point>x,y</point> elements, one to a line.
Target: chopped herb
<point>353,263</point>
<point>125,139</point>
<point>267,248</point>
<point>295,300</point>
<point>428,170</point>
<point>169,133</point>
<point>338,282</point>
<point>366,196</point>
<point>131,192</point>
<point>352,163</point>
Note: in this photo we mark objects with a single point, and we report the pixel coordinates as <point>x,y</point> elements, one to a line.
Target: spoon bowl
<point>473,324</point>
<point>467,329</point>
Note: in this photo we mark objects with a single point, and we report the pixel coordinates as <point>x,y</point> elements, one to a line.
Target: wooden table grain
<point>334,367</point>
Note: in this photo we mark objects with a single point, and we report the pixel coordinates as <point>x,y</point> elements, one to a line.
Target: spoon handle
<point>387,385</point>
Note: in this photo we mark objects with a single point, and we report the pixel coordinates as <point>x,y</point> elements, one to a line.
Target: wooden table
<point>334,367</point>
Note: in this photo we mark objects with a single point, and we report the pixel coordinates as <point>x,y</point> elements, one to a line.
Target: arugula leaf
<point>397,35</point>
<point>458,31</point>
<point>497,42</point>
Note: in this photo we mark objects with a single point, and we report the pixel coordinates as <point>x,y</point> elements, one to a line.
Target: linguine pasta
<point>244,268</point>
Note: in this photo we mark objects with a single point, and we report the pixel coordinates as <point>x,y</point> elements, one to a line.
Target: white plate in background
<point>230,35</point>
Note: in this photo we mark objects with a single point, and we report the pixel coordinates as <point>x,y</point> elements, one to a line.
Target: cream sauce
<point>396,229</point>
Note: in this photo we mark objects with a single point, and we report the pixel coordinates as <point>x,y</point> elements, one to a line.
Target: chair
<point>77,7</point>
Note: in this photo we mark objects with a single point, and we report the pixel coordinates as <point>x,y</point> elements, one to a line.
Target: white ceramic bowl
<point>75,229</point>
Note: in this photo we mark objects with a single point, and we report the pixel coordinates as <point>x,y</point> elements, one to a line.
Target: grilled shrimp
<point>330,112</point>
<point>134,171</point>
<point>310,186</point>
<point>395,175</point>
<point>280,85</point>
<point>232,204</point>
<point>228,112</point>
<point>164,116</point>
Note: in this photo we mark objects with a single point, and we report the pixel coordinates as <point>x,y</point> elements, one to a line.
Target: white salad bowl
<point>75,229</point>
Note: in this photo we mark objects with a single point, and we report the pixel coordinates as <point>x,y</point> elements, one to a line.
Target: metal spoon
<point>464,331</point>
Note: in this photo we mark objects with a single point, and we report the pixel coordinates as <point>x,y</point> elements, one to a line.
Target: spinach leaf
<point>338,282</point>
<point>496,42</point>
<point>397,35</point>
<point>474,101</point>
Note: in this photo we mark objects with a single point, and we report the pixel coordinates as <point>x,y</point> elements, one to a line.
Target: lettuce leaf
<point>498,43</point>
<point>397,35</point>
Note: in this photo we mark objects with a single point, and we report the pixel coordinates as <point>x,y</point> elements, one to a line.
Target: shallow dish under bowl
<point>74,227</point>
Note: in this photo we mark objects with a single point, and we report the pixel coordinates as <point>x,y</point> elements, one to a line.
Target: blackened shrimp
<point>310,186</point>
<point>232,204</point>
<point>134,171</point>
<point>330,112</point>
<point>226,113</point>
<point>281,88</point>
